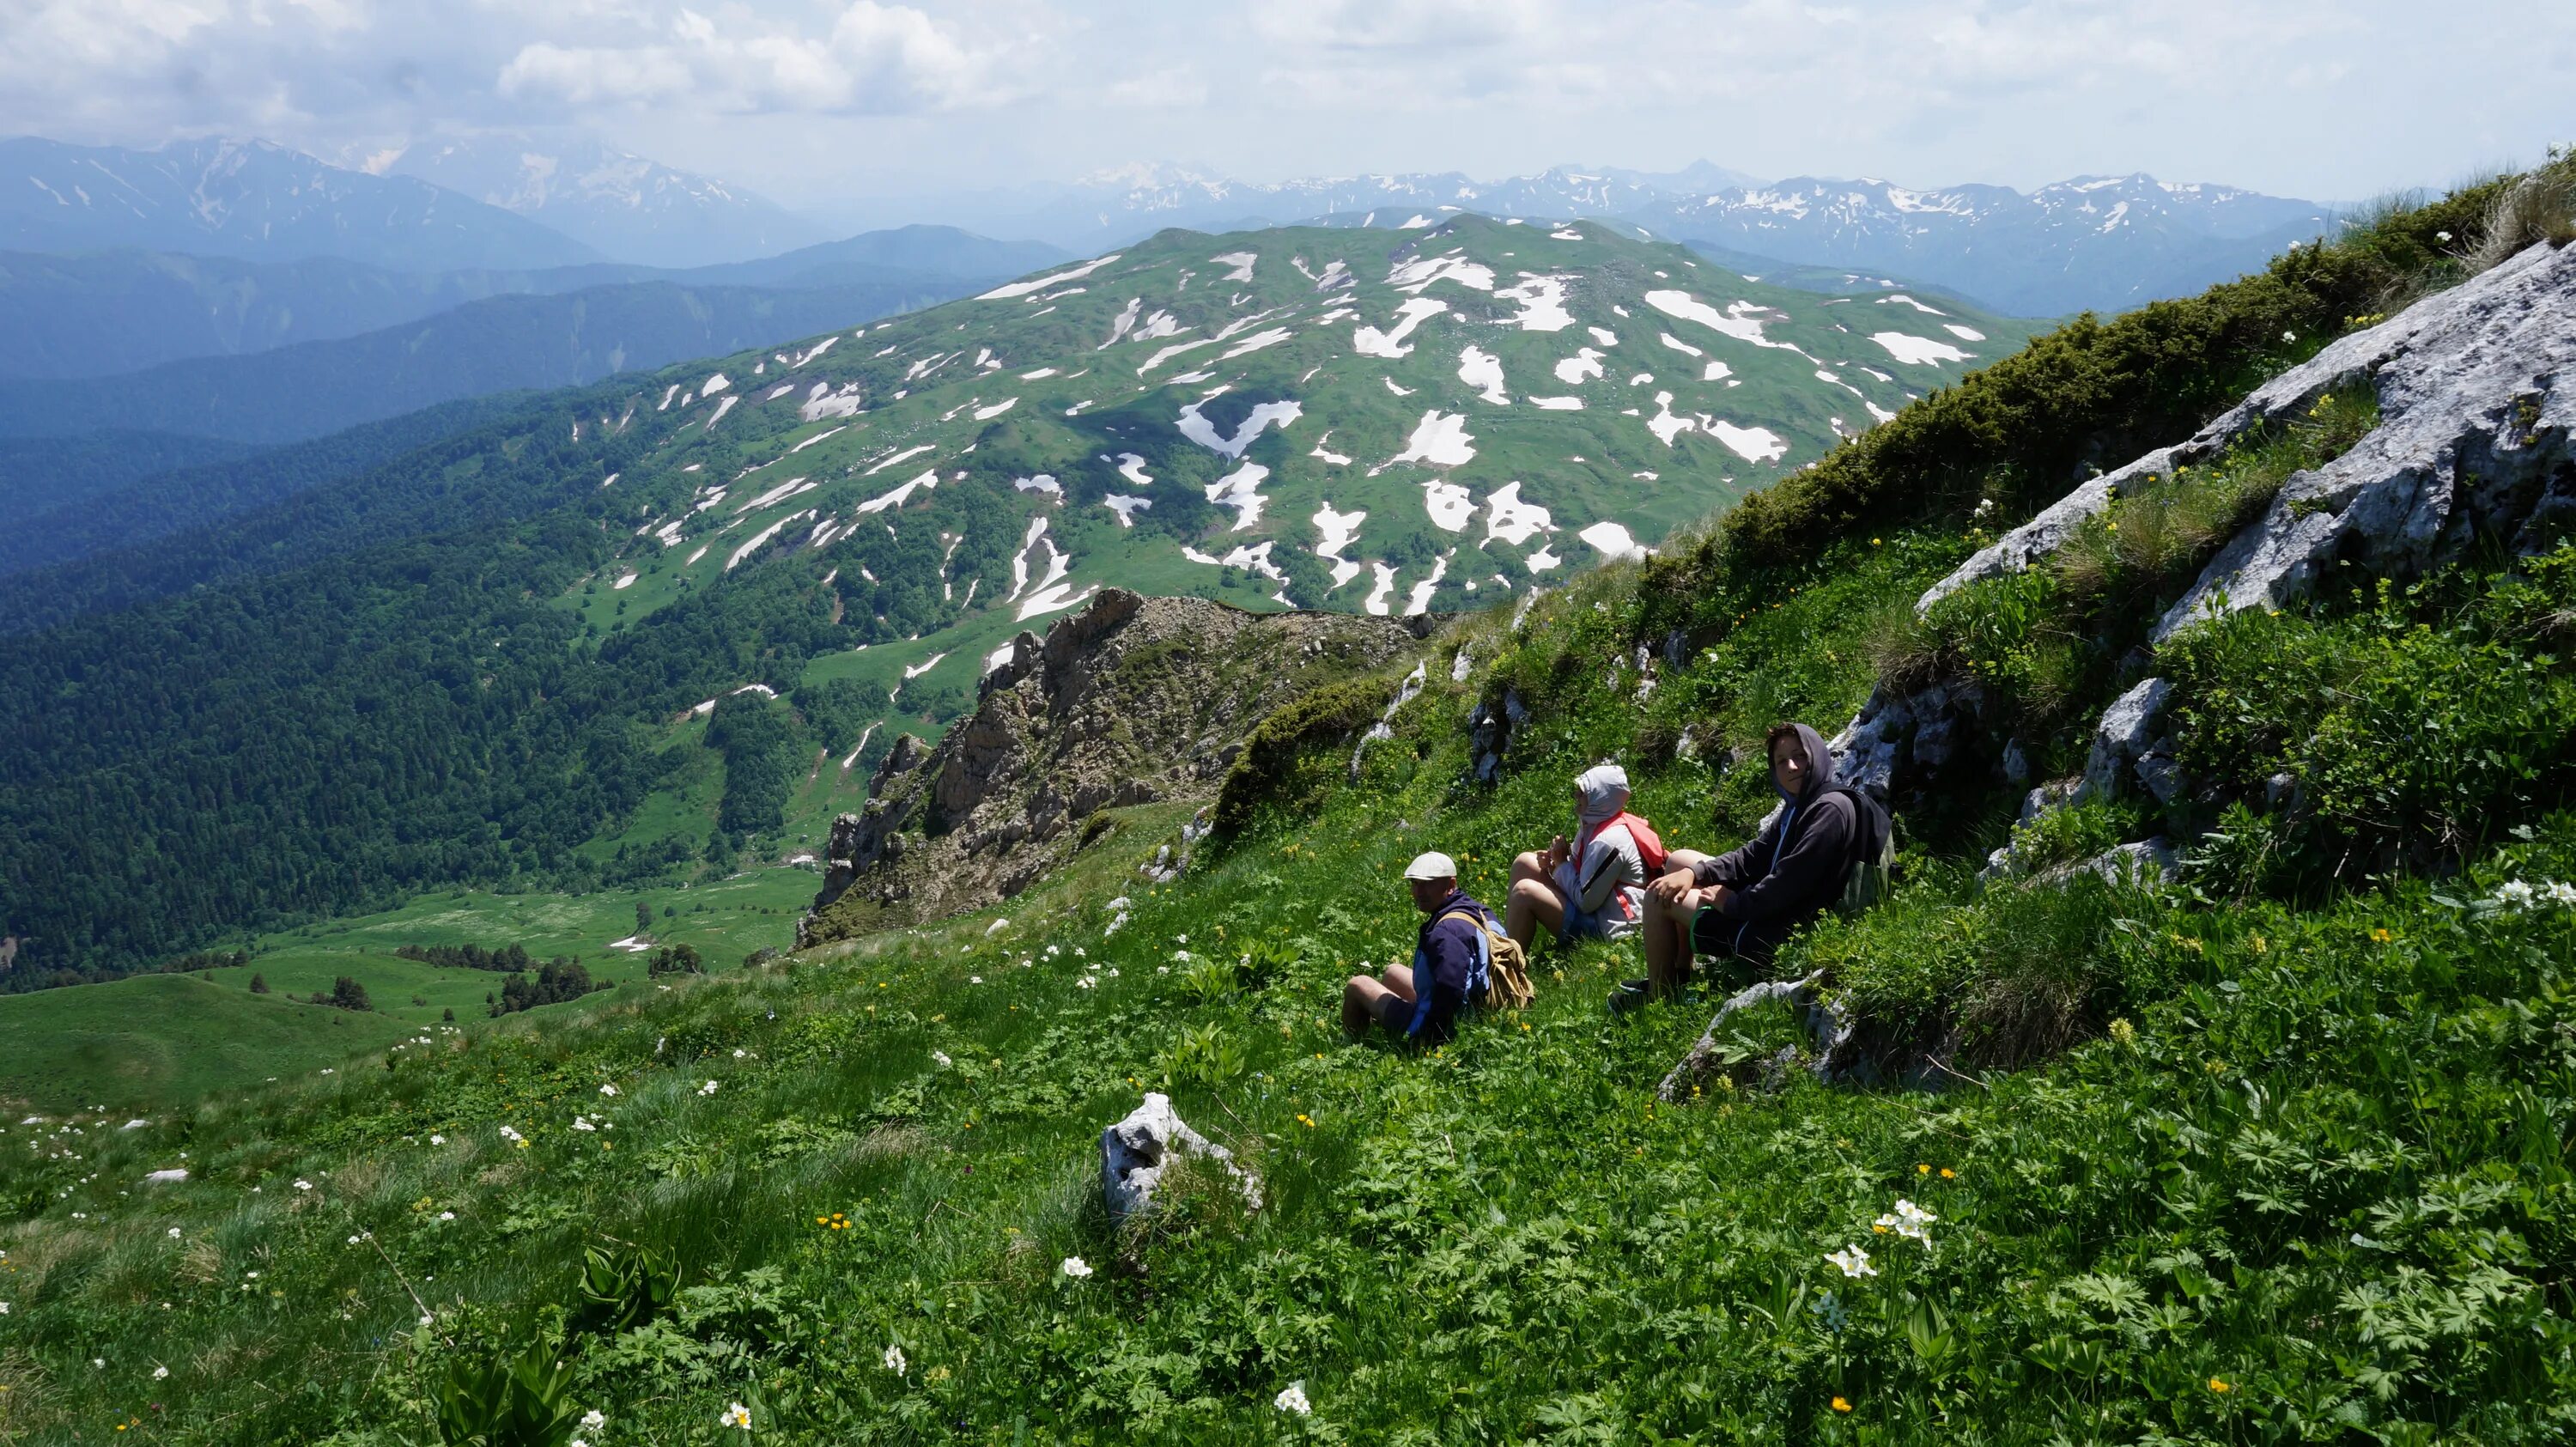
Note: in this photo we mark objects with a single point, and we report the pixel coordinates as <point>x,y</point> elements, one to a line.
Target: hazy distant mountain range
<point>255,201</point>
<point>514,204</point>
<point>2092,242</point>
<point>617,203</point>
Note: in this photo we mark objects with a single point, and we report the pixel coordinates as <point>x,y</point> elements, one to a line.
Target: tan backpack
<point>1507,980</point>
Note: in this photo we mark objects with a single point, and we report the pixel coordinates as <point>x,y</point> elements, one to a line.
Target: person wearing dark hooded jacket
<point>1741,905</point>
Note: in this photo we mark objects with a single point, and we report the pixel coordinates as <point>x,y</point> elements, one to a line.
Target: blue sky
<point>813,101</point>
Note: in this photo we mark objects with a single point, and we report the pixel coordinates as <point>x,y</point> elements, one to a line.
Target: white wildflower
<point>2515,894</point>
<point>2560,892</point>
<point>1086,982</point>
<point>1293,1399</point>
<point>1908,1221</point>
<point>1853,1261</point>
<point>974,979</point>
<point>174,1233</point>
<point>707,1088</point>
<point>426,1320</point>
<point>2289,336</point>
<point>447,1215</point>
<point>740,1053</point>
<point>511,1133</point>
<point>303,1185</point>
<point>608,1090</point>
<point>942,1057</point>
<point>582,1123</point>
<point>735,1415</point>
<point>1075,1267</point>
<point>2441,236</point>
<point>1180,939</point>
<point>593,1420</point>
<point>158,1373</point>
<point>894,1360</point>
<point>438,1140</point>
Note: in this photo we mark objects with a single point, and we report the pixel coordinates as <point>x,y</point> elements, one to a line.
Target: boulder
<point>2131,747</point>
<point>1136,1151</point>
<point>2146,861</point>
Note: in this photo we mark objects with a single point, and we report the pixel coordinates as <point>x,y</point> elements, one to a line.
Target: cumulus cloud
<point>872,59</point>
<point>787,93</point>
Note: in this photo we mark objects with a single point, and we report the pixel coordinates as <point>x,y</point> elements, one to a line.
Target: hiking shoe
<point>1628,997</point>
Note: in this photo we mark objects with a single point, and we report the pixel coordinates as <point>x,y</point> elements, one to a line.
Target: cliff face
<point>1132,701</point>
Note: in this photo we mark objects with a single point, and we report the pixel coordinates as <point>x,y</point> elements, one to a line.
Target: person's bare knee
<point>1530,864</point>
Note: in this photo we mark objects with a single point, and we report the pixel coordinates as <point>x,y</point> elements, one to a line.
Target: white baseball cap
<point>1434,865</point>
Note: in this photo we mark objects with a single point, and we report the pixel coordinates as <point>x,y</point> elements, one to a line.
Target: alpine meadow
<point>615,833</point>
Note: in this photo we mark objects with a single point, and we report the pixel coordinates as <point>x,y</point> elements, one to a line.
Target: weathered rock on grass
<point>1132,701</point>
<point>1136,1152</point>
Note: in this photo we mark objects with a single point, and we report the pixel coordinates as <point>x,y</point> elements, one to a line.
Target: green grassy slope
<point>156,1042</point>
<point>2289,1160</point>
<point>163,1042</point>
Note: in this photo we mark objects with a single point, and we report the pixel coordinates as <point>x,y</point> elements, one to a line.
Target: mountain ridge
<point>254,200</point>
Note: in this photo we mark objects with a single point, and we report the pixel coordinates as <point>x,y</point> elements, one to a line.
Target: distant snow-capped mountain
<point>2104,243</point>
<point>625,206</point>
<point>255,201</point>
<point>1113,206</point>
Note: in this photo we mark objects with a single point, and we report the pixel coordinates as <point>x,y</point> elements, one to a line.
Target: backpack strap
<point>1482,974</point>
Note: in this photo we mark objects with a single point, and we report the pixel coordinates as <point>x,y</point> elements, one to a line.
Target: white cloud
<point>873,60</point>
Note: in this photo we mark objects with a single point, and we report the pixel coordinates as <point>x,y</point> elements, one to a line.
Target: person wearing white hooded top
<point>1592,886</point>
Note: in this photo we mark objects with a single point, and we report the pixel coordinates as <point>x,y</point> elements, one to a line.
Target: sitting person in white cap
<point>1592,887</point>
<point>1451,958</point>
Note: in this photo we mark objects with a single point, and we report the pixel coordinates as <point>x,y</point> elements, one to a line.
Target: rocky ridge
<point>1131,701</point>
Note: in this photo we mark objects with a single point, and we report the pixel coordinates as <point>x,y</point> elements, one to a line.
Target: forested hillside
<point>2273,1146</point>
<point>553,601</point>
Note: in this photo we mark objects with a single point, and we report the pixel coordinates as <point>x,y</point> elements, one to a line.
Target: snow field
<point>1918,351</point>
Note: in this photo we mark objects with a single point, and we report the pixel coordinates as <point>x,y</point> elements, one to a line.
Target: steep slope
<point>1131,701</point>
<point>619,204</point>
<point>2200,1163</point>
<point>257,201</point>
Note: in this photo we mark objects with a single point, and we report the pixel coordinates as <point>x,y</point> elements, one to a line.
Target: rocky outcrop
<point>1131,701</point>
<point>1136,1152</point>
<point>2477,400</point>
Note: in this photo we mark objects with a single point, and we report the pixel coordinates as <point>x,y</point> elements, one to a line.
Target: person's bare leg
<point>1359,1005</point>
<point>1533,905</point>
<point>1360,997</point>
<point>1530,864</point>
<point>1668,946</point>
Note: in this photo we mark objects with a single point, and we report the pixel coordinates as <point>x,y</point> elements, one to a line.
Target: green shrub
<point>2418,725</point>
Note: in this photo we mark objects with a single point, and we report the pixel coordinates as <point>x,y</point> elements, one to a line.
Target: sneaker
<point>1629,996</point>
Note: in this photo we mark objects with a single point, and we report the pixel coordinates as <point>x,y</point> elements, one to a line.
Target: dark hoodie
<point>1787,874</point>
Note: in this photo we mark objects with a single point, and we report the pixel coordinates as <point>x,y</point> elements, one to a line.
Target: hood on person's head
<point>1603,792</point>
<point>1818,761</point>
